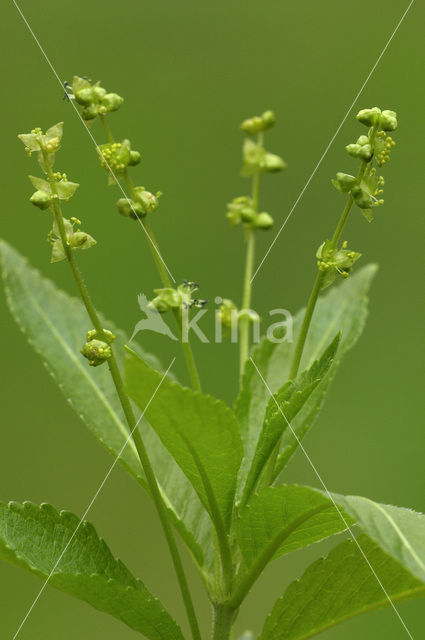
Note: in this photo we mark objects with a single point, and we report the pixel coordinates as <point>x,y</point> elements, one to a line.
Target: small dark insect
<point>66,95</point>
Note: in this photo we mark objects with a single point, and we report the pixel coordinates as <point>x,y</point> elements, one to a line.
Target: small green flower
<point>226,313</point>
<point>75,239</point>
<point>333,261</point>
<point>93,98</point>
<point>180,298</point>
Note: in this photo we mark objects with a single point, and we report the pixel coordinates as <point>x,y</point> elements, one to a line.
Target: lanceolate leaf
<point>34,538</point>
<point>55,325</point>
<point>343,309</point>
<point>281,519</point>
<point>337,588</point>
<point>399,532</point>
<point>199,431</point>
<point>282,409</point>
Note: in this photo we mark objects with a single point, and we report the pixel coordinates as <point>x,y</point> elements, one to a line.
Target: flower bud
<point>389,120</point>
<point>89,112</point>
<point>112,101</point>
<point>344,182</point>
<point>107,336</point>
<point>369,117</point>
<point>227,313</point>
<point>364,152</point>
<point>53,145</point>
<point>268,119</point>
<point>129,208</point>
<point>252,125</point>
<point>263,221</point>
<point>99,92</point>
<point>81,240</point>
<point>362,198</point>
<point>84,96</point>
<point>96,352</point>
<point>273,163</point>
<point>362,140</point>
<point>158,304</point>
<point>41,199</point>
<point>134,158</point>
<point>147,200</point>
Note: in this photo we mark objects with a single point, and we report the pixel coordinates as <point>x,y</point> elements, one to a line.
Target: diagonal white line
<point>45,583</point>
<point>332,139</point>
<point>319,477</point>
<point>91,136</point>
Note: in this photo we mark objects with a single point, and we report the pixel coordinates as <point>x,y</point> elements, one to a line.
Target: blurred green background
<point>190,72</point>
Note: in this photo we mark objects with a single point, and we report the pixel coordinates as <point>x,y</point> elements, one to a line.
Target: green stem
<point>106,127</point>
<point>223,621</point>
<point>246,300</point>
<point>162,270</point>
<point>249,268</point>
<point>128,412</point>
<point>299,348</point>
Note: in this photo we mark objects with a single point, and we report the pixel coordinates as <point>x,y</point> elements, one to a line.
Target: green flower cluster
<point>242,209</point>
<point>255,161</point>
<point>375,146</point>
<point>76,239</point>
<point>93,98</point>
<point>97,349</point>
<point>116,156</point>
<point>180,298</point>
<point>51,191</point>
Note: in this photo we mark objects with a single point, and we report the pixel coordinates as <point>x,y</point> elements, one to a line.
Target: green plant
<point>215,474</point>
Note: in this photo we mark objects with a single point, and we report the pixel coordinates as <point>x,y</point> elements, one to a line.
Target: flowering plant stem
<point>314,295</point>
<point>162,270</point>
<point>249,268</point>
<point>127,409</point>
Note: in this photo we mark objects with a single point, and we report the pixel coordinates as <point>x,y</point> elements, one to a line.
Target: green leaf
<point>199,431</point>
<point>343,309</point>
<point>55,324</point>
<point>39,183</point>
<point>281,519</point>
<point>30,140</point>
<point>290,400</point>
<point>34,538</point>
<point>399,532</point>
<point>56,131</point>
<point>337,588</point>
<point>66,189</point>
